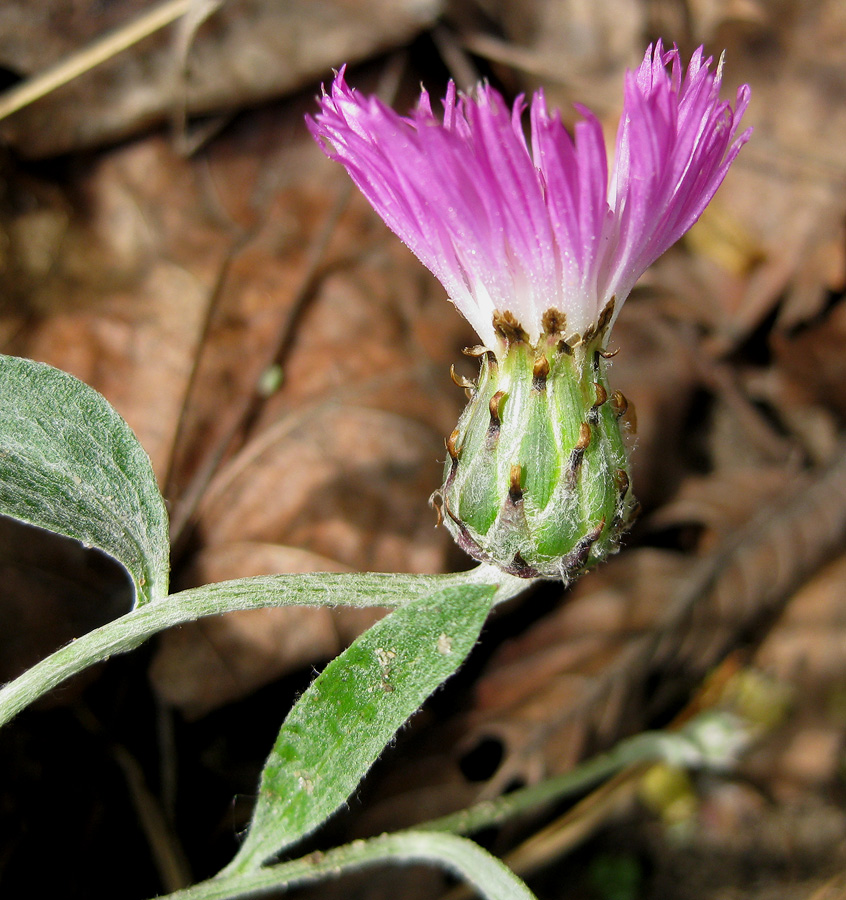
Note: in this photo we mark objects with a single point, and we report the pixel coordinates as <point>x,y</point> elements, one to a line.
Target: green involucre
<point>537,478</point>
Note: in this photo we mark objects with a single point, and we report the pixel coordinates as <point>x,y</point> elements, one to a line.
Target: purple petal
<point>675,143</point>
<point>509,226</point>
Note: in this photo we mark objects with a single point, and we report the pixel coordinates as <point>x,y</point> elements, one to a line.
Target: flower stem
<point>457,855</point>
<point>317,589</point>
<point>710,739</point>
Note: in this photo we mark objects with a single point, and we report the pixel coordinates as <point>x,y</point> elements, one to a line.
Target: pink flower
<point>511,225</point>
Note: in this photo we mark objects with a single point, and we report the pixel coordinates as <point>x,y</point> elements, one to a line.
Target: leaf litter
<point>176,284</point>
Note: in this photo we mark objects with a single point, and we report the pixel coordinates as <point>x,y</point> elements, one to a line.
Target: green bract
<point>537,477</point>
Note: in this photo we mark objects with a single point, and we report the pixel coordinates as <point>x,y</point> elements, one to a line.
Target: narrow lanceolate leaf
<point>70,464</point>
<point>342,723</point>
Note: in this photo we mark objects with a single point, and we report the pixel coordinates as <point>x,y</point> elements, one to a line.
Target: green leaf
<point>70,464</point>
<point>342,723</point>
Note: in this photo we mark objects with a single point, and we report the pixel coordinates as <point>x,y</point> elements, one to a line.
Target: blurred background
<point>170,233</point>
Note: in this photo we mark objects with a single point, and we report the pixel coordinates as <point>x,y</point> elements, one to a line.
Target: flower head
<point>510,225</point>
<point>538,248</point>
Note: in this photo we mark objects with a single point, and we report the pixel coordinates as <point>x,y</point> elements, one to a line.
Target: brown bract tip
<point>493,407</point>
<point>436,502</point>
<point>540,372</point>
<point>578,556</point>
<point>584,436</point>
<point>620,404</point>
<point>461,381</point>
<point>451,444</point>
<point>554,322</point>
<point>606,315</point>
<point>521,568</point>
<point>506,326</point>
<point>601,325</point>
<point>515,490</point>
<point>601,394</point>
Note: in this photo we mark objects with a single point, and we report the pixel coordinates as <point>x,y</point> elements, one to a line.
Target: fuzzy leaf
<point>70,464</point>
<point>351,711</point>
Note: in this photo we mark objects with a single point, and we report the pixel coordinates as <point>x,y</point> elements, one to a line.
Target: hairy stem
<point>457,855</point>
<point>709,740</point>
<point>318,589</point>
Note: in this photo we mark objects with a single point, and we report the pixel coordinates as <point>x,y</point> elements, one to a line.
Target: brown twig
<point>93,55</point>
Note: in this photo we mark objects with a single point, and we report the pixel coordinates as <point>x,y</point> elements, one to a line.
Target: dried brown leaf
<point>122,302</point>
<point>807,651</point>
<point>731,593</point>
<point>323,479</point>
<point>808,644</point>
<point>811,365</point>
<point>720,503</point>
<point>785,192</point>
<point>247,52</point>
<point>577,51</point>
